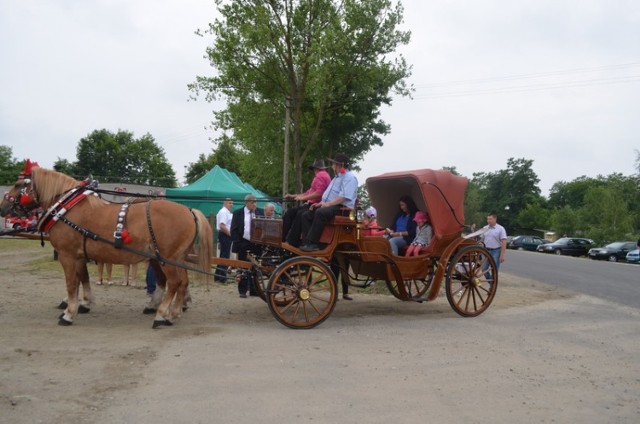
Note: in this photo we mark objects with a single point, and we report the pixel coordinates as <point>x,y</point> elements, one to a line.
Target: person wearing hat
<point>292,219</point>
<point>424,232</point>
<point>370,224</point>
<point>342,192</point>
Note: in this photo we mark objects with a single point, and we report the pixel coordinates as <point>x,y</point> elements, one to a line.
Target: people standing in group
<point>292,219</point>
<point>101,268</point>
<point>223,226</point>
<point>403,229</point>
<point>241,236</point>
<point>495,240</point>
<point>424,233</point>
<point>341,193</point>
<point>370,224</point>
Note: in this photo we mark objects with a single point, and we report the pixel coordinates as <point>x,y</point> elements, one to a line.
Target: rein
<point>95,237</point>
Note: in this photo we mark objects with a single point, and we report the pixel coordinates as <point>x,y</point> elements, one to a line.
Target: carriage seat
<point>329,229</point>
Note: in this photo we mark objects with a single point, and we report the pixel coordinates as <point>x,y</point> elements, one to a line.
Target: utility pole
<point>285,167</point>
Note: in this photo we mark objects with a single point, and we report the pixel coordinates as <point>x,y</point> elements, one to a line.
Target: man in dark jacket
<point>241,236</point>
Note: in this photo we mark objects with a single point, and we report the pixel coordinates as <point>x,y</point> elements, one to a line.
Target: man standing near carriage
<point>341,193</point>
<point>223,226</point>
<point>241,236</point>
<point>292,219</point>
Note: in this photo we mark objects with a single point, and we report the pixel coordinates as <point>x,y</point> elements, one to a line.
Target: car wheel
<point>16,226</point>
<point>520,248</point>
<point>613,258</point>
<point>558,252</point>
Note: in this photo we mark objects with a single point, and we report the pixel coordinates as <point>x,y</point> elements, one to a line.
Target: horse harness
<point>121,237</point>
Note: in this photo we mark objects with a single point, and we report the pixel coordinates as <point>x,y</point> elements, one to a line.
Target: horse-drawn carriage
<point>301,289</point>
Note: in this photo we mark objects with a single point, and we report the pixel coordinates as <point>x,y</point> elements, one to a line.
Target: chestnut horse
<point>83,227</point>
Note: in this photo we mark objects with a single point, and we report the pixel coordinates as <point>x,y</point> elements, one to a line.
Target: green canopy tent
<point>208,193</point>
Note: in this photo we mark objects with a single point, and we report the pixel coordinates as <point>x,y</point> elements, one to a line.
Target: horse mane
<point>50,185</point>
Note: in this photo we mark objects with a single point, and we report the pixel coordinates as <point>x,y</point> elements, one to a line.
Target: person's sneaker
<point>109,282</point>
<point>243,295</point>
<point>347,297</point>
<point>99,282</point>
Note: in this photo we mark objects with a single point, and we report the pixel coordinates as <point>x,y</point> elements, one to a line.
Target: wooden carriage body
<point>466,267</point>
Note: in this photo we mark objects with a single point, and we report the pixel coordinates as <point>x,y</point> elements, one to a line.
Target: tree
<point>121,158</point>
<point>225,155</point>
<point>509,191</point>
<point>9,166</point>
<point>331,63</point>
<point>66,167</point>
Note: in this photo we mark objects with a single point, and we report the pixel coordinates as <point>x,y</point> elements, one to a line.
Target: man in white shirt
<point>495,239</point>
<point>223,226</point>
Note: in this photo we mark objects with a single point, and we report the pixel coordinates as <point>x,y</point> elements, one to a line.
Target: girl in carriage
<point>424,233</point>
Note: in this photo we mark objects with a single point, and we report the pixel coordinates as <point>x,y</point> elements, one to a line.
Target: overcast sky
<point>554,81</point>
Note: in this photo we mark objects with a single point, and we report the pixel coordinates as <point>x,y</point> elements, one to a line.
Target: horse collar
<point>62,206</point>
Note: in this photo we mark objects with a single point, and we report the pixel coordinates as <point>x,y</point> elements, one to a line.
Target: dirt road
<point>537,355</point>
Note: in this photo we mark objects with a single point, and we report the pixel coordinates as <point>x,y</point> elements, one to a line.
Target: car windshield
<point>562,241</point>
<point>616,245</point>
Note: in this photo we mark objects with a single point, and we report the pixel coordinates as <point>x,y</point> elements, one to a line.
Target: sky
<point>552,81</point>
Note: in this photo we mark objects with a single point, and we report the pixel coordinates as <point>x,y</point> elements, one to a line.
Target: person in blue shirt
<point>341,193</point>
<point>403,229</point>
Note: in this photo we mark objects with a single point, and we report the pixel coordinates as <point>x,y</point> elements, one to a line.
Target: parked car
<point>567,246</point>
<point>633,256</point>
<point>613,252</point>
<point>525,243</point>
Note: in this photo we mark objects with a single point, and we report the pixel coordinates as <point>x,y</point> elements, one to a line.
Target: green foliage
<point>224,155</point>
<point>507,192</point>
<point>606,215</point>
<point>331,64</point>
<point>9,166</point>
<point>119,157</point>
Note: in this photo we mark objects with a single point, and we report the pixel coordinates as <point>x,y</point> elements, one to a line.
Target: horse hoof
<point>64,322</point>
<point>148,311</point>
<point>158,323</point>
<point>83,309</point>
<point>63,305</point>
<point>184,308</point>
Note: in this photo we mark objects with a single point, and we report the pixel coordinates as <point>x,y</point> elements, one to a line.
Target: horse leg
<point>70,265</point>
<point>87,296</point>
<point>179,302</point>
<point>171,286</point>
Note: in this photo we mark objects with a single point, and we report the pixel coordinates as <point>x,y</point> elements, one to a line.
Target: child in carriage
<point>424,233</point>
<point>370,224</point>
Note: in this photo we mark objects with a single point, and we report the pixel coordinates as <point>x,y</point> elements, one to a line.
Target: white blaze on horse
<point>83,227</point>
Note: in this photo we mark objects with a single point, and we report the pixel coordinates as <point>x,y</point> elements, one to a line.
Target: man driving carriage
<point>341,193</point>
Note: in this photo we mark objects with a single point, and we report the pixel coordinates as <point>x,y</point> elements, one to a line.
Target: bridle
<point>26,196</point>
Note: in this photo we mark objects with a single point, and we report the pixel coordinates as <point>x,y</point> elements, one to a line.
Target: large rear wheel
<point>471,281</point>
<point>302,292</point>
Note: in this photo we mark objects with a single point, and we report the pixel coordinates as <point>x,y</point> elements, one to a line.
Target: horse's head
<point>20,199</point>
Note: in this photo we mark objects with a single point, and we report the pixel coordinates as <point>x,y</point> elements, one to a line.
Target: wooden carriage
<point>301,288</point>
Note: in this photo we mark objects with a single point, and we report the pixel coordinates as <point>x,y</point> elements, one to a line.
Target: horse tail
<point>204,244</point>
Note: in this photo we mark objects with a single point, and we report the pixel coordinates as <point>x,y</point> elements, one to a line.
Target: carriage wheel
<point>260,279</point>
<point>471,281</point>
<point>302,292</point>
<point>415,288</point>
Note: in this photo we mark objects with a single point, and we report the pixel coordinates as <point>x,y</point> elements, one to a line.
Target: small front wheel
<point>471,281</point>
<point>302,292</point>
<point>613,258</point>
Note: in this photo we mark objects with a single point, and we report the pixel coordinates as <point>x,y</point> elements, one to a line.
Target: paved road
<point>618,282</point>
